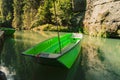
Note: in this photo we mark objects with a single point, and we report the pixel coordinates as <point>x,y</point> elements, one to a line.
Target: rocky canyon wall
<point>101,18</point>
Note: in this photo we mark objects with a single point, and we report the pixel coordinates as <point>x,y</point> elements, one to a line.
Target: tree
<point>17,21</point>
<point>30,10</point>
<point>44,13</point>
<point>6,12</point>
<point>63,10</point>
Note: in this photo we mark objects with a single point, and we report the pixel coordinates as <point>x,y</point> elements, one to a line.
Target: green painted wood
<point>8,31</point>
<point>49,49</point>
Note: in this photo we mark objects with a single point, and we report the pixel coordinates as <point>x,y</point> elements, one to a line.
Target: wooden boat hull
<point>67,60</point>
<point>48,52</point>
<point>50,62</point>
<point>8,31</point>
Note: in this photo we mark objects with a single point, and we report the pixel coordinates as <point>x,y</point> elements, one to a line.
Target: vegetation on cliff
<point>27,14</point>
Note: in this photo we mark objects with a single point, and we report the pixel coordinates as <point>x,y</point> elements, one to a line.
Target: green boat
<point>7,31</point>
<point>49,51</point>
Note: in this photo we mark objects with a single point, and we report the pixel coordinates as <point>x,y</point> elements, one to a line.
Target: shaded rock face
<point>102,17</point>
<point>79,5</point>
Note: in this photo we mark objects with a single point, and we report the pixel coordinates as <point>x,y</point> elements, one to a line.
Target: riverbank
<point>50,27</point>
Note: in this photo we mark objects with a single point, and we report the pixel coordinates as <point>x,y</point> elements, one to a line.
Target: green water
<point>100,59</point>
<point>20,67</point>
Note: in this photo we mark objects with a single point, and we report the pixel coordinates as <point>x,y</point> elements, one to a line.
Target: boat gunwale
<point>7,31</point>
<point>24,53</point>
<point>44,55</point>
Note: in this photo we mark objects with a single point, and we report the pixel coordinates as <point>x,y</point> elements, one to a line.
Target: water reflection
<point>19,67</point>
<point>100,60</point>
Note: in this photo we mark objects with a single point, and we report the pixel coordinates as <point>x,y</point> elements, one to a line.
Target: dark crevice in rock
<point>116,0</point>
<point>102,3</point>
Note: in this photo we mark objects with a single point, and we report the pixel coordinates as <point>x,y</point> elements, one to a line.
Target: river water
<point>99,59</point>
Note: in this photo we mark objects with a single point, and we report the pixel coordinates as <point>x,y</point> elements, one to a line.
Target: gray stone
<point>102,17</point>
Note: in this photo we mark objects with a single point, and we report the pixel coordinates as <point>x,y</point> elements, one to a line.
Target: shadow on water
<point>45,72</point>
<point>19,67</point>
<point>100,58</point>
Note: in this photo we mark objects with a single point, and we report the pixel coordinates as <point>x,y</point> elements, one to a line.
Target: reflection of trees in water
<point>8,52</point>
<point>13,60</point>
<point>1,44</point>
<point>11,57</point>
<point>6,59</point>
<point>23,66</point>
<point>100,60</point>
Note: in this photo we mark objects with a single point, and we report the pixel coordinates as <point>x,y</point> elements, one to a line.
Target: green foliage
<point>17,21</point>
<point>50,27</point>
<point>44,13</point>
<point>30,10</point>
<point>6,12</point>
<point>63,10</point>
<point>27,14</point>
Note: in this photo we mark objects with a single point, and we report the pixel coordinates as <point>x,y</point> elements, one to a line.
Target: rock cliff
<point>101,18</point>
